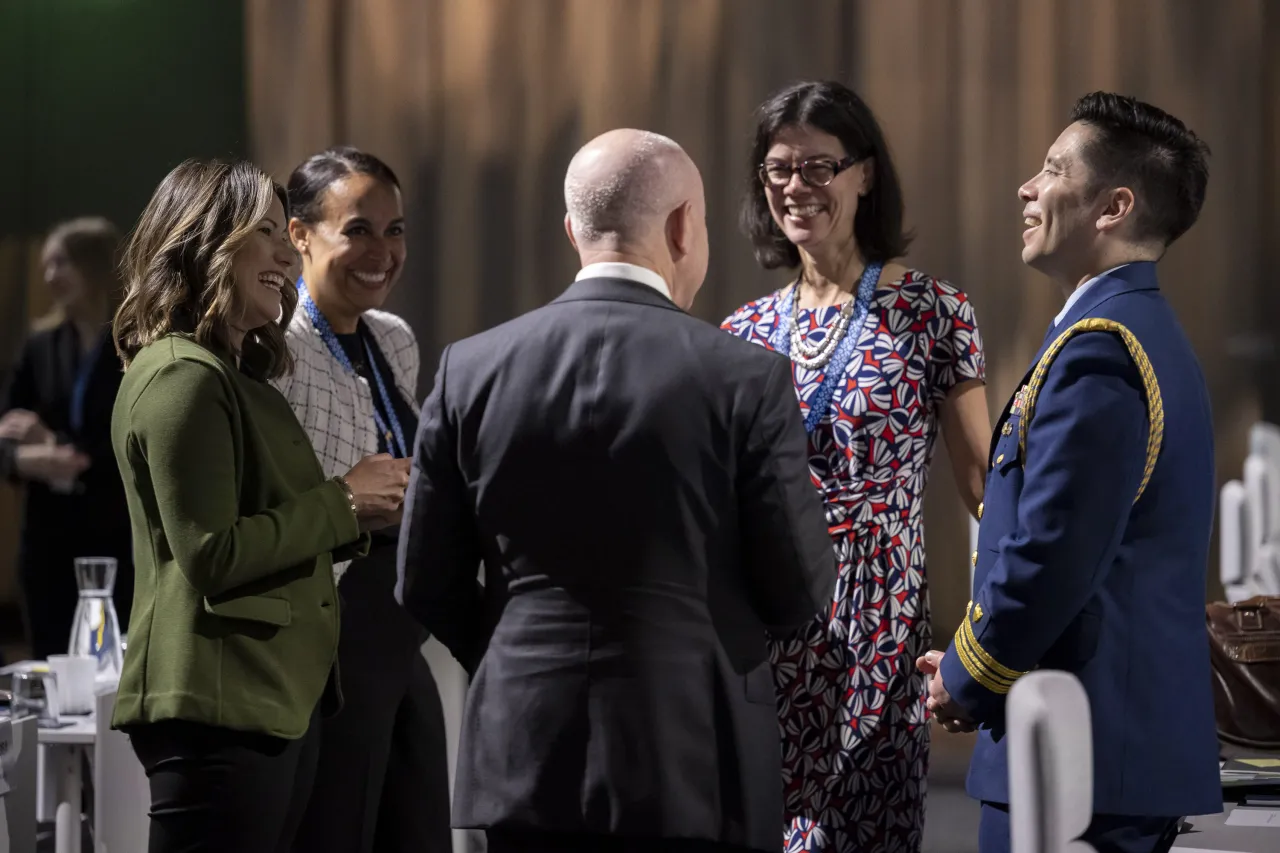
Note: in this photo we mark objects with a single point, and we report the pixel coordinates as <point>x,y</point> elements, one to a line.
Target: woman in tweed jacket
<point>382,782</point>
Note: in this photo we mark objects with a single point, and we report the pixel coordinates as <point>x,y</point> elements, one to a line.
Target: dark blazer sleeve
<point>439,551</point>
<point>1086,451</point>
<point>19,392</point>
<point>787,554</point>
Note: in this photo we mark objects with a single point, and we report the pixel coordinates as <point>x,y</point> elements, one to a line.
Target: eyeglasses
<point>816,171</point>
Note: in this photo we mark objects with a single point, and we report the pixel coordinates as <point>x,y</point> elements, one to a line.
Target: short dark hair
<point>318,172</point>
<point>1154,154</point>
<point>835,109</point>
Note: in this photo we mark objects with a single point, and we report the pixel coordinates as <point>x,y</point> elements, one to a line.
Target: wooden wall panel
<point>479,104</point>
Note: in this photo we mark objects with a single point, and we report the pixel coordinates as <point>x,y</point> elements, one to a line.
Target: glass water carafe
<point>96,629</point>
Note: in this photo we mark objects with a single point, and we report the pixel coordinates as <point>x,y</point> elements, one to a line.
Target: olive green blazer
<point>235,611</point>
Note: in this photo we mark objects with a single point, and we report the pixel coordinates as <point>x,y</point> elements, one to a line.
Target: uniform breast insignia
<point>1018,400</point>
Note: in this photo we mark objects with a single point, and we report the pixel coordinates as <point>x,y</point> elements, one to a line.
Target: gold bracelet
<point>346,489</point>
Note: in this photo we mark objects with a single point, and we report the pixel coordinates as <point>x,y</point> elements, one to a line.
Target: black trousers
<point>215,790</point>
<point>519,841</point>
<point>382,784</point>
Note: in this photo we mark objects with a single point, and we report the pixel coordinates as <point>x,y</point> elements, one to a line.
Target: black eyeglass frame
<point>836,166</point>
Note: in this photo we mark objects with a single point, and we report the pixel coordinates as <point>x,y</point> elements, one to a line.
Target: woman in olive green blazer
<point>234,631</point>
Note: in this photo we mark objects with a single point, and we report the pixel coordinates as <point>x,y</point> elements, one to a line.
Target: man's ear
<point>568,229</point>
<point>679,230</point>
<point>1120,207</point>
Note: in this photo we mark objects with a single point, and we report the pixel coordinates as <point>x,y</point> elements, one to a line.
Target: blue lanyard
<point>399,448</point>
<point>834,370</point>
<point>84,372</point>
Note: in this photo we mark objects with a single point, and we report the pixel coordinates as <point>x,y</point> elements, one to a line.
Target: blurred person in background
<point>55,436</point>
<point>885,359</point>
<point>231,662</point>
<point>383,782</point>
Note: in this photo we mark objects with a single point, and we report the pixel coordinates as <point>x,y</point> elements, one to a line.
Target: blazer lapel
<point>382,337</point>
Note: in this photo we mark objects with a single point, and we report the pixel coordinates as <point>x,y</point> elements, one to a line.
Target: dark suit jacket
<point>1093,549</point>
<point>636,485</point>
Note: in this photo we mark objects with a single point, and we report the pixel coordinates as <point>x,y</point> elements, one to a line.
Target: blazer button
<point>979,510</point>
<point>999,458</point>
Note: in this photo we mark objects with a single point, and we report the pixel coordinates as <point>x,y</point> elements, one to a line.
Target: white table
<point>62,754</point>
<point>1210,832</point>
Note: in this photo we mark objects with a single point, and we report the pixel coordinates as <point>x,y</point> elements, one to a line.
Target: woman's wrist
<point>346,490</point>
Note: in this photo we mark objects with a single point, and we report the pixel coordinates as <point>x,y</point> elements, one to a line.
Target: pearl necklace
<point>815,356</point>
<point>787,338</point>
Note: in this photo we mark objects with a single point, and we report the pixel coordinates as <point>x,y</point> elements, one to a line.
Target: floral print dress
<point>851,704</point>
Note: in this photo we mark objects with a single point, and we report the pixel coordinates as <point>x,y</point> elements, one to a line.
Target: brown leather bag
<point>1244,647</point>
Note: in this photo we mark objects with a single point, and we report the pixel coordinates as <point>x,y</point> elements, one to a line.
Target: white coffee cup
<point>75,682</point>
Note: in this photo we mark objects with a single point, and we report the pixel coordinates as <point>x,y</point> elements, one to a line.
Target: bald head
<point>621,186</point>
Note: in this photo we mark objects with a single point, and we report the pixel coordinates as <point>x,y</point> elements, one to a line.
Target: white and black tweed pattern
<point>336,407</point>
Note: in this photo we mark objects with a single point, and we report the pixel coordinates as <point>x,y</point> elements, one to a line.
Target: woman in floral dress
<point>883,355</point>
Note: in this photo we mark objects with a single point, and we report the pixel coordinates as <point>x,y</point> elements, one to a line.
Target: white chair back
<point>1050,764</point>
<point>18,751</point>
<point>1235,545</point>
<point>1265,577</point>
<point>122,794</point>
<point>1260,482</point>
<point>1264,440</point>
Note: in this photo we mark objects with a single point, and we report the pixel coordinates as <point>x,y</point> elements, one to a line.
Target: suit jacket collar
<point>1140,275</point>
<point>615,290</point>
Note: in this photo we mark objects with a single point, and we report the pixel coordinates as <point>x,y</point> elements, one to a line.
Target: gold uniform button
<point>973,561</point>
<point>979,510</point>
<point>999,458</point>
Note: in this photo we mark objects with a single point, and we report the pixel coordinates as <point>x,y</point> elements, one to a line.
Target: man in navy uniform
<point>1094,533</point>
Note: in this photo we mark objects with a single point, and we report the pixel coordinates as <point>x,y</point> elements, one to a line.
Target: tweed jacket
<point>334,406</point>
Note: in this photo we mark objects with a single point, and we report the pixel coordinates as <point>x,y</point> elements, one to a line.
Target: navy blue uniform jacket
<point>1092,553</point>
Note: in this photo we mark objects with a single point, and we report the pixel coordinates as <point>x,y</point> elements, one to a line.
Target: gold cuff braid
<point>980,665</point>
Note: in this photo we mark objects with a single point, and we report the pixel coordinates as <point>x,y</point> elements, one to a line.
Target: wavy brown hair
<point>177,266</point>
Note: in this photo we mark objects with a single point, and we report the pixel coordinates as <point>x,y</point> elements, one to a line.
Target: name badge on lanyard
<point>391,432</point>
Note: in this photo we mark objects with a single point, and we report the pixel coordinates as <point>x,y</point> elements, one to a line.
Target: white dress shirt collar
<point>631,272</point>
<point>1079,291</point>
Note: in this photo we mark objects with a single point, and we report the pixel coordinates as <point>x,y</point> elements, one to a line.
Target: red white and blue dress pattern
<point>851,705</point>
